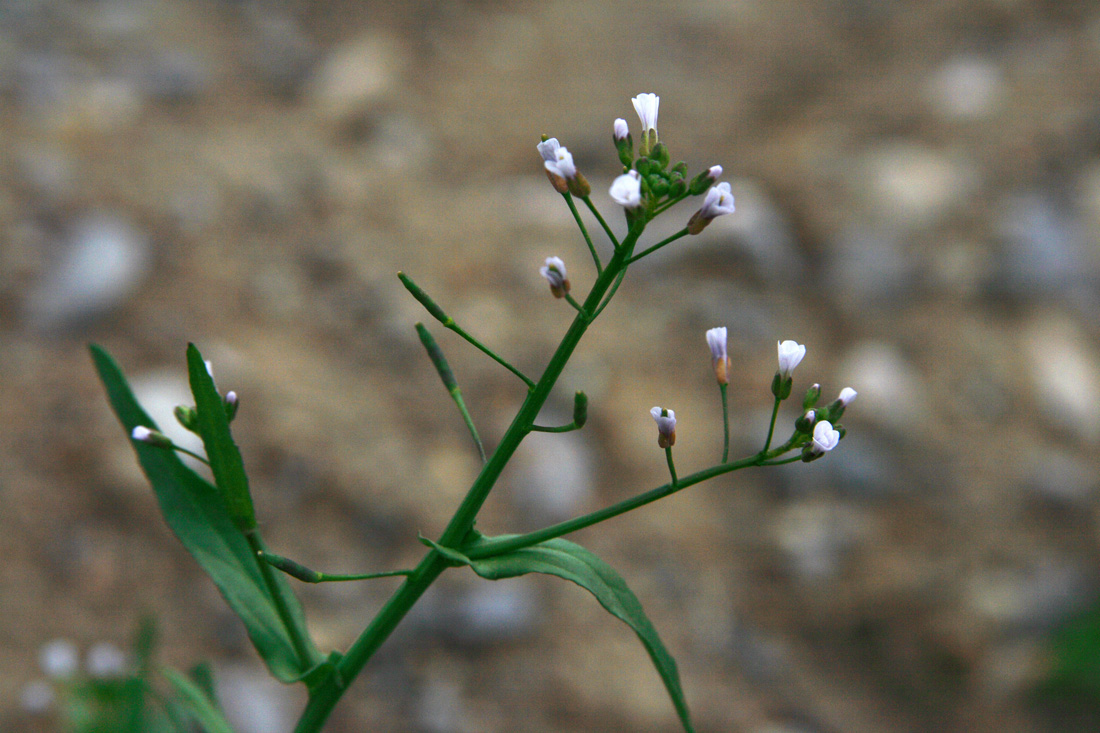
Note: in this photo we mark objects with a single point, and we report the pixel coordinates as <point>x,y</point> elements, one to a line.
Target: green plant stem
<point>667,205</point>
<point>588,240</point>
<point>771,426</point>
<point>449,323</point>
<point>296,633</point>
<point>783,461</point>
<point>196,456</point>
<point>306,575</point>
<point>610,293</point>
<point>683,232</point>
<point>724,388</point>
<point>491,547</point>
<point>671,467</point>
<point>607,230</point>
<point>325,695</point>
<point>559,429</point>
<point>573,302</point>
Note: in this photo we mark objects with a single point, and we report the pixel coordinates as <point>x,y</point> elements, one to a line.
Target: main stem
<point>324,697</point>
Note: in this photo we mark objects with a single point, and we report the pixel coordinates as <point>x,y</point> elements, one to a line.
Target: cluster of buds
<point>821,423</point>
<point>647,181</point>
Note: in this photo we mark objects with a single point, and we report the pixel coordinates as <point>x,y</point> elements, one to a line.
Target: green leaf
<point>196,702</point>
<point>574,563</point>
<point>198,516</point>
<point>225,458</point>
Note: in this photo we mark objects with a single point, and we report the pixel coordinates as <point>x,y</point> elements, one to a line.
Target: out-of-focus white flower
<point>666,426</point>
<point>646,106</point>
<point>714,172</point>
<point>36,697</point>
<point>105,660</point>
<point>59,659</point>
<point>825,437</point>
<point>620,129</point>
<point>846,396</point>
<point>626,190</point>
<point>716,340</point>
<point>554,272</point>
<point>790,354</point>
<point>562,164</point>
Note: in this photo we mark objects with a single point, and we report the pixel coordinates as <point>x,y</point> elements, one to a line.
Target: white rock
<point>356,75</point>
<point>966,87</point>
<point>1065,375</point>
<point>98,267</point>
<point>892,392</point>
<point>59,658</point>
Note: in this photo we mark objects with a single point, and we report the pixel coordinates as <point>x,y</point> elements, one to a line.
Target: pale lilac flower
<point>620,129</point>
<point>714,172</point>
<point>548,149</point>
<point>59,659</point>
<point>716,340</point>
<point>554,272</point>
<point>790,354</point>
<point>626,190</point>
<point>825,437</point>
<point>846,396</point>
<point>719,201</point>
<point>646,106</point>
<point>666,426</point>
<point>562,164</point>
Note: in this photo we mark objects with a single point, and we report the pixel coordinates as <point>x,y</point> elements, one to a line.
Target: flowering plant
<point>217,523</point>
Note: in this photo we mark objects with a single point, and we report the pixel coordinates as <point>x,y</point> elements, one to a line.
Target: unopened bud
<point>188,417</point>
<point>580,409</point>
<point>813,394</point>
<point>232,404</point>
<point>666,426</point>
<point>142,434</point>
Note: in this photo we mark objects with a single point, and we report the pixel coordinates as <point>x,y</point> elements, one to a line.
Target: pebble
<point>868,267</point>
<point>100,264</point>
<point>1029,599</point>
<point>256,703</point>
<point>892,392</point>
<point>554,477</point>
<point>967,87</point>
<point>1043,250</point>
<point>815,536</point>
<point>1061,478</point>
<point>1065,376</point>
<point>59,659</point>
<point>37,697</point>
<point>356,76</point>
<point>906,186</point>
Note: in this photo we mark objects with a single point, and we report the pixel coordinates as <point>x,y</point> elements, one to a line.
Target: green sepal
<point>813,394</point>
<point>660,156</point>
<point>187,417</point>
<point>574,563</point>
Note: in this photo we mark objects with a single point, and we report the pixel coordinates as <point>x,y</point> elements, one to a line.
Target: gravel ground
<point>918,191</point>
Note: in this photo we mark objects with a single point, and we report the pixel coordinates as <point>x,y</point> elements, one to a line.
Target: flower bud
<point>188,417</point>
<point>717,340</point>
<point>813,394</point>
<point>624,144</point>
<point>646,105</point>
<point>142,434</point>
<point>836,407</point>
<point>666,426</point>
<point>660,155</point>
<point>580,409</point>
<point>232,404</point>
<point>705,180</point>
<point>554,272</point>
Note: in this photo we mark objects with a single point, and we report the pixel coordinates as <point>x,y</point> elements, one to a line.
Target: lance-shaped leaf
<point>574,563</point>
<point>197,514</point>
<point>196,702</point>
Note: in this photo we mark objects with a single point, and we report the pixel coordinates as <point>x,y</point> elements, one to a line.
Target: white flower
<point>846,396</point>
<point>59,658</point>
<point>548,149</point>
<point>554,272</point>
<point>790,354</point>
<point>562,164</point>
<point>666,426</point>
<point>646,106</point>
<point>626,190</point>
<point>716,340</point>
<point>825,437</point>
<point>719,201</point>
<point>141,434</point>
<point>620,129</point>
<point>714,172</point>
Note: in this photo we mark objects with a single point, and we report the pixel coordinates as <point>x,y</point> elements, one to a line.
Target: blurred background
<point>918,193</point>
